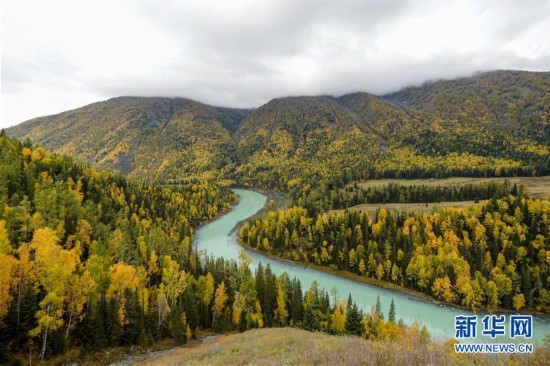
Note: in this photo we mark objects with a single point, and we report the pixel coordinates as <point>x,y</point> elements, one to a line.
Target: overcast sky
<point>59,55</point>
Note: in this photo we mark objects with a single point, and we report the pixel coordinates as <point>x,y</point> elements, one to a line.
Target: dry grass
<point>290,346</point>
<point>536,186</point>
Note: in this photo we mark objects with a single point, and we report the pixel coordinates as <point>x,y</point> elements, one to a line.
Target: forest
<point>90,260</point>
<point>491,256</point>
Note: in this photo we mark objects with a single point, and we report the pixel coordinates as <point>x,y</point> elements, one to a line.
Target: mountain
<point>290,141</point>
<point>390,122</point>
<point>302,118</point>
<point>152,138</point>
<point>489,124</point>
<point>499,114</point>
<point>514,100</point>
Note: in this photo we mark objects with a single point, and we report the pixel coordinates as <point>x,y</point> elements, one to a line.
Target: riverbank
<point>275,202</point>
<point>278,202</point>
<point>220,214</point>
<point>417,295</point>
<point>354,277</point>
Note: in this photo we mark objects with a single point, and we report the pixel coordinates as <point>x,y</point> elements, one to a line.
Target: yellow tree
<point>442,288</point>
<point>491,292</point>
<point>5,247</point>
<point>122,277</point>
<point>257,316</point>
<point>469,290</point>
<point>79,287</point>
<point>54,267</point>
<point>205,288</point>
<point>219,301</point>
<point>173,281</point>
<point>163,308</point>
<point>379,271</point>
<point>338,319</point>
<point>281,313</point>
<point>26,276</point>
<point>519,301</point>
<point>152,265</point>
<point>142,248</point>
<point>395,273</point>
<point>362,267</point>
<point>239,304</point>
<point>8,280</point>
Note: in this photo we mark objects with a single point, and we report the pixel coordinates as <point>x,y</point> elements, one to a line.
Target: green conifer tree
<point>391,315</point>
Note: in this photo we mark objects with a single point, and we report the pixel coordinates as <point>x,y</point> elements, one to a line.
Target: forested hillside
<point>77,243</point>
<point>290,141</point>
<point>502,114</point>
<point>493,124</point>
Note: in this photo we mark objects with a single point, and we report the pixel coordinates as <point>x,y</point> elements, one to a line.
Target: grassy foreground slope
<point>291,346</point>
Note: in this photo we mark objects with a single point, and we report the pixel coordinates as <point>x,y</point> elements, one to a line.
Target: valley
<point>275,182</point>
<point>437,194</point>
<point>216,239</point>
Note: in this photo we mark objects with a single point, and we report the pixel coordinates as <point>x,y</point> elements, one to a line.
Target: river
<point>217,238</point>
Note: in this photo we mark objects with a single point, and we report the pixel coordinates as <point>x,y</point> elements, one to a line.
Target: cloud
<point>244,53</point>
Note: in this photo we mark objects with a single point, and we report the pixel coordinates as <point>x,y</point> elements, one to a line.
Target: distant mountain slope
<point>390,122</point>
<point>154,138</point>
<point>517,100</point>
<point>495,123</point>
<point>292,140</point>
<point>301,116</point>
<point>295,124</point>
<point>499,114</point>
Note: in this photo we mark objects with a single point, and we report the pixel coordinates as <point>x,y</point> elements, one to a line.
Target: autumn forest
<point>99,207</point>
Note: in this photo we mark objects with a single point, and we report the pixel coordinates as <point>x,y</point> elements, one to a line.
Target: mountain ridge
<point>495,115</point>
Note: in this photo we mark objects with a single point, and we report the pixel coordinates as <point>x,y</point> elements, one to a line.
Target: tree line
<point>354,194</point>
